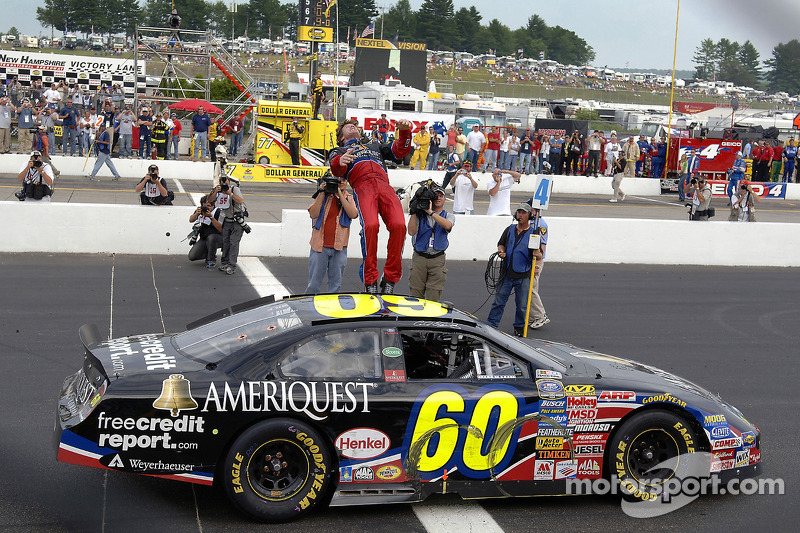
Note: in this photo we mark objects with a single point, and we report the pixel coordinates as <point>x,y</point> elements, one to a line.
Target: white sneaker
<point>613,200</point>
<point>623,198</point>
<point>539,322</point>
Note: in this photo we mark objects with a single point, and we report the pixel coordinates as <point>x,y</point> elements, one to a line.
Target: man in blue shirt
<point>103,143</point>
<point>789,157</point>
<point>644,149</point>
<point>692,168</point>
<point>145,122</point>
<point>429,231</point>
<point>69,125</point>
<point>200,124</point>
<point>25,126</point>
<point>737,174</point>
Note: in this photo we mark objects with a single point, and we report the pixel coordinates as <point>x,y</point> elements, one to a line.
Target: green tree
<point>751,64</point>
<point>223,89</point>
<point>784,68</point>
<point>566,47</point>
<point>220,19</point>
<point>500,38</point>
<point>355,14</point>
<point>705,60</point>
<point>194,13</point>
<point>436,25</point>
<point>728,66</point>
<point>13,31</point>
<point>468,24</point>
<point>400,20</point>
<point>264,14</point>
<point>53,14</point>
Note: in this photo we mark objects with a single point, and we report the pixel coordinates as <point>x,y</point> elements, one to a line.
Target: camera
<point>153,176</point>
<point>224,186</point>
<point>423,199</point>
<point>37,164</point>
<point>242,222</point>
<point>204,209</point>
<point>331,183</point>
<point>693,181</point>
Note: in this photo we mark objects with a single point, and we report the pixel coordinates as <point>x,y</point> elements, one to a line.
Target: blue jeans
<point>70,137</point>
<point>489,159</point>
<point>174,141</point>
<point>145,146</point>
<point>733,183</point>
<point>104,158</point>
<point>472,156</point>
<point>512,161</point>
<point>236,141</point>
<point>125,140</point>
<point>84,141</point>
<point>503,160</point>
<point>524,162</point>
<point>200,142</point>
<point>520,287</point>
<point>433,161</point>
<point>328,260</point>
<point>681,185</point>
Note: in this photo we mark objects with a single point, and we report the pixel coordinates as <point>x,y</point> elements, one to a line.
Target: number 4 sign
<point>544,190</point>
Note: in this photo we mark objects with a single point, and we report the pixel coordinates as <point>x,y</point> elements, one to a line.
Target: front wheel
<point>263,160</point>
<point>650,449</point>
<point>278,470</point>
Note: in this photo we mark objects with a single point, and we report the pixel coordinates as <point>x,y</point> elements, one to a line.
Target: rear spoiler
<point>90,335</point>
<point>232,310</point>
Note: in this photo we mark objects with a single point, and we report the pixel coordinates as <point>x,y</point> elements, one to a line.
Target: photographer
<point>701,198</point>
<point>153,189</point>
<point>209,236</point>
<point>332,212</point>
<point>295,134</point>
<point>464,191</point>
<point>499,188</point>
<point>6,108</point>
<point>25,126</point>
<point>429,227</point>
<point>451,166</point>
<point>37,179</point>
<point>517,256</point>
<point>743,204</point>
<point>228,198</point>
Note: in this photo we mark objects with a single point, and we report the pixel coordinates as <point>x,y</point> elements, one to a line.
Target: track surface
<point>730,330</point>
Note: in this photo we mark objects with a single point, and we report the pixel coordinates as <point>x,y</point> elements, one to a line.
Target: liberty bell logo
<point>175,395</point>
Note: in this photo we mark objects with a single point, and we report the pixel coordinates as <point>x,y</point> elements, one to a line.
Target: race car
<point>347,399</point>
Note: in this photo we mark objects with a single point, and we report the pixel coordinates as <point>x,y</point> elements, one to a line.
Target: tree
<point>566,47</point>
<point>263,15</point>
<point>400,20</point>
<point>468,24</point>
<point>355,14</point>
<point>499,37</point>
<point>194,13</point>
<point>784,73</point>
<point>435,24</point>
<point>705,60</point>
<point>52,14</point>
<point>727,61</point>
<point>220,18</point>
<point>750,60</point>
<point>13,31</point>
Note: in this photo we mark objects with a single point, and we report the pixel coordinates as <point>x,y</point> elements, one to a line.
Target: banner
<point>367,117</point>
<point>551,126</point>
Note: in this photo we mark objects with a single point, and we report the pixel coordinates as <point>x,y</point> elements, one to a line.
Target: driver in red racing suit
<point>363,166</point>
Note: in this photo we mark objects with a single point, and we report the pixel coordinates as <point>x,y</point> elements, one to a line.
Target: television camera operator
<point>207,232</point>
<point>227,197</point>
<point>429,227</point>
<point>37,179</point>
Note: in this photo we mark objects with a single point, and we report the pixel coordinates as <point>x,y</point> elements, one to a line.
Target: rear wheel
<point>278,470</point>
<point>650,449</point>
<point>263,160</point>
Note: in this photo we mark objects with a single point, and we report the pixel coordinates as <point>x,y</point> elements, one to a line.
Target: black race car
<point>349,399</point>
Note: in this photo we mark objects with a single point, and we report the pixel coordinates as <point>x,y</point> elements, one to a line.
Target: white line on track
<point>158,297</point>
<point>260,277</point>
<point>179,185</point>
<point>657,201</point>
<point>456,517</point>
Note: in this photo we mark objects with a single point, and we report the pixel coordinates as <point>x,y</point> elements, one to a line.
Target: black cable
<point>493,276</point>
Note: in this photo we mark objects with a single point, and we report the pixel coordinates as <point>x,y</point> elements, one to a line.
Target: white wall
<point>134,229</point>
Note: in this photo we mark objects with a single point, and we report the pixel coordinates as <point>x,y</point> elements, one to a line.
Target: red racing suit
<point>374,196</point>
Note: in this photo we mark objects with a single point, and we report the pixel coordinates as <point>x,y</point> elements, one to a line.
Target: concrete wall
<point>127,168</point>
<point>133,229</point>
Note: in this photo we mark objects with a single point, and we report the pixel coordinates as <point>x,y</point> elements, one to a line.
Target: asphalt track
<point>730,330</point>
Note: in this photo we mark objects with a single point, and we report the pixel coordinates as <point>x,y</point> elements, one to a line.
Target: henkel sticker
<point>362,443</point>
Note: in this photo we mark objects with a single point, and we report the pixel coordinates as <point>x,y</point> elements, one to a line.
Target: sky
<point>637,35</point>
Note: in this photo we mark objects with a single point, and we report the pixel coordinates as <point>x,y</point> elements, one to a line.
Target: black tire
<point>263,160</point>
<point>648,439</point>
<point>298,465</point>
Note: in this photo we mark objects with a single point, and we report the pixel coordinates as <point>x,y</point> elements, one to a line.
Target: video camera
<point>423,198</point>
<point>331,184</point>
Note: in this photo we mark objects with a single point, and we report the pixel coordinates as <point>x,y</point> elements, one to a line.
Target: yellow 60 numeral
<point>330,305</point>
<point>476,451</point>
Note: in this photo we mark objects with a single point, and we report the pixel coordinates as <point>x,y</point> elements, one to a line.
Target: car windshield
<point>212,342</point>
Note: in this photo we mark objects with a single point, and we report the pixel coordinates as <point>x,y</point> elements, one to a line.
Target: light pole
<point>233,8</point>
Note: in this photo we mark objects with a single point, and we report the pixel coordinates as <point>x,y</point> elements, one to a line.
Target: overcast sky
<point>637,34</point>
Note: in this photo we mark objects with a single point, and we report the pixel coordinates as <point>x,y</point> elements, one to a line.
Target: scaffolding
<point>174,47</point>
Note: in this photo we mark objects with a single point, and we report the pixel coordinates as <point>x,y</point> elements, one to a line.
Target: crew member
<point>383,128</point>
<point>332,214</point>
<point>737,174</point>
<point>422,143</point>
<point>659,158</point>
<point>513,249</point>
<point>317,94</point>
<point>789,157</point>
<point>295,134</point>
<point>429,230</point>
<point>365,169</point>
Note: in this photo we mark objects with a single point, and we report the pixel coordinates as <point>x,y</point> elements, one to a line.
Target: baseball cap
<point>438,190</point>
<point>36,153</point>
<point>524,206</point>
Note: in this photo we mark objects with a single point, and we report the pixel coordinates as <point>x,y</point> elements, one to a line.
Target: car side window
<point>336,354</point>
<point>449,355</point>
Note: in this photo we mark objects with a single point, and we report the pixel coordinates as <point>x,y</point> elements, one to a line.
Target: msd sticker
<point>543,470</point>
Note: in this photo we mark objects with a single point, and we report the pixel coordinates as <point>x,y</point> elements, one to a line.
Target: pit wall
<point>135,229</point>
